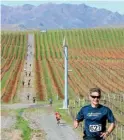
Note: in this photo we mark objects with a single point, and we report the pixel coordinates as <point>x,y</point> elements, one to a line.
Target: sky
<point>112,5</point>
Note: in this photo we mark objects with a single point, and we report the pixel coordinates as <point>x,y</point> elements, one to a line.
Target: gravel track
<point>46,120</point>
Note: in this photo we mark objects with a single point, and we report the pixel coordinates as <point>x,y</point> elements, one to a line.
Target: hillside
<point>58,16</point>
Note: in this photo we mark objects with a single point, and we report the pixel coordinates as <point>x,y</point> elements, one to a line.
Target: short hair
<point>95,90</point>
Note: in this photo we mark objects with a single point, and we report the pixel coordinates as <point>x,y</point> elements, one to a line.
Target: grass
<point>23,125</point>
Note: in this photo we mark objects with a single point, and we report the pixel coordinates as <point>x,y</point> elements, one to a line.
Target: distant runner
<point>28,96</point>
<point>34,99</point>
<point>58,117</point>
<point>95,116</point>
<point>29,74</point>
<point>23,83</point>
<point>28,84</point>
<point>50,101</point>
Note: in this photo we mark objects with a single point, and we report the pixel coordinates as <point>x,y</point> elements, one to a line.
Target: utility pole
<point>65,47</point>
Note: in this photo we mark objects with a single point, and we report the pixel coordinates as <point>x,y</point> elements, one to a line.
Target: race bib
<point>95,128</point>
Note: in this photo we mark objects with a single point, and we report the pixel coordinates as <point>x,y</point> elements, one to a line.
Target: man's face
<point>94,98</point>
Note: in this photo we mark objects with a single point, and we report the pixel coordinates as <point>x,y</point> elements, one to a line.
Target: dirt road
<point>26,93</point>
<point>41,118</point>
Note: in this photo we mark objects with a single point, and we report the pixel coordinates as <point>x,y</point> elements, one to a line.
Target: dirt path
<point>46,121</point>
<point>40,118</point>
<point>26,92</point>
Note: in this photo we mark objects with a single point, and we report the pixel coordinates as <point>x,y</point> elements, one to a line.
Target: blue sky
<point>111,5</point>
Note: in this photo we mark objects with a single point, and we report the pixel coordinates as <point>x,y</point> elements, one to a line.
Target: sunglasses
<point>98,97</point>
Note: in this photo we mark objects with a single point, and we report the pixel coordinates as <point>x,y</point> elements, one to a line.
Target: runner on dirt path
<point>29,74</point>
<point>95,116</point>
<point>28,84</point>
<point>58,117</point>
<point>28,96</point>
<point>50,101</point>
<point>23,83</point>
<point>34,99</point>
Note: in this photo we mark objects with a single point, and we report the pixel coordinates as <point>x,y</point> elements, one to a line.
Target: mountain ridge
<point>59,16</point>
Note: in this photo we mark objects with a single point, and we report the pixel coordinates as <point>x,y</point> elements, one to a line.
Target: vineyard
<point>96,59</point>
<point>13,50</point>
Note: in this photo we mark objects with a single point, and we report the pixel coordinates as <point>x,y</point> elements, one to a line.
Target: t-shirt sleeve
<point>80,115</point>
<point>110,116</point>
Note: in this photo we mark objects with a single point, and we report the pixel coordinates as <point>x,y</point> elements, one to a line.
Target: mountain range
<point>58,16</point>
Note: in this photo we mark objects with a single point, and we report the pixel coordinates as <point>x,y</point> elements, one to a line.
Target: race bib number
<point>95,128</point>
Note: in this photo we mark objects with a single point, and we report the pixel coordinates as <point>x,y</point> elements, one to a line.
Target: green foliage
<point>52,41</point>
<point>23,126</point>
<point>47,79</point>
